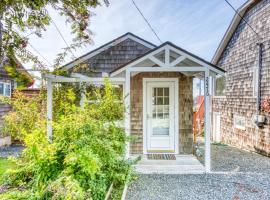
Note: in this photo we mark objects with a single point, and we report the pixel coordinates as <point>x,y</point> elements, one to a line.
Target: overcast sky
<point>195,25</point>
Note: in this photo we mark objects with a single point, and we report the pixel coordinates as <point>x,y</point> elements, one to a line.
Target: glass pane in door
<point>160,111</point>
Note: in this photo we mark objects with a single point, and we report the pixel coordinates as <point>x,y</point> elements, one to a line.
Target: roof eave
<point>231,29</point>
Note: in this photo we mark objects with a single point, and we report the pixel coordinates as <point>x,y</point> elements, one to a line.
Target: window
<point>220,83</point>
<point>239,122</point>
<point>5,89</point>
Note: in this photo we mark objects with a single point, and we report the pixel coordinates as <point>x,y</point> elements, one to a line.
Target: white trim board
<point>176,109</point>
<point>106,47</point>
<point>203,65</point>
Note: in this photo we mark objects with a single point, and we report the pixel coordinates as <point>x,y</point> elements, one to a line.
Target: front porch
<point>157,91</point>
<point>184,164</point>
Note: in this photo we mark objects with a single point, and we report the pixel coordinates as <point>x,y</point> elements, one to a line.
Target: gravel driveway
<point>237,175</point>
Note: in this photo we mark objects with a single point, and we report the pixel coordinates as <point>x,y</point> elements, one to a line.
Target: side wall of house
<point>185,110</point>
<point>4,108</point>
<point>239,59</point>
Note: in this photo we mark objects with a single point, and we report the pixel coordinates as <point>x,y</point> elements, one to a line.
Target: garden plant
<point>87,153</point>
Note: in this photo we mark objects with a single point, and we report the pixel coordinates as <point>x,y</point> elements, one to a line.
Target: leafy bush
<point>28,114</point>
<point>87,153</point>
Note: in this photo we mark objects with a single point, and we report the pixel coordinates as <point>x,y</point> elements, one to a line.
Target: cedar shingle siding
<point>110,59</point>
<point>185,110</point>
<point>239,59</point>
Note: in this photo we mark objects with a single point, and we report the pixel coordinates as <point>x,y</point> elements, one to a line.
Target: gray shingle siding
<point>112,58</point>
<point>238,59</point>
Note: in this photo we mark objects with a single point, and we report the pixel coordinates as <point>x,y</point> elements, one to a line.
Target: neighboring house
<point>12,75</point>
<point>234,108</point>
<point>158,83</point>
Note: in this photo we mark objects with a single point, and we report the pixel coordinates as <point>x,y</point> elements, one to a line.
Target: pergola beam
<point>128,110</point>
<point>49,109</point>
<point>75,77</point>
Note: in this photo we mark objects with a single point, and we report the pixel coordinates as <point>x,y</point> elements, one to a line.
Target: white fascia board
<point>94,53</point>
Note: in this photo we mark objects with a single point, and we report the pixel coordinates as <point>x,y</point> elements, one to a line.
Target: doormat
<point>161,157</point>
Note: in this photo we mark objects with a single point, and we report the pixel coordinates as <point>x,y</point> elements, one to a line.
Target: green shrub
<point>87,153</point>
<point>17,195</point>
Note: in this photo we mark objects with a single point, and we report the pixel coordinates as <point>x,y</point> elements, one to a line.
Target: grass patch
<point>5,164</point>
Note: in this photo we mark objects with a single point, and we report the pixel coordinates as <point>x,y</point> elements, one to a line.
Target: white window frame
<point>241,127</point>
<point>5,84</point>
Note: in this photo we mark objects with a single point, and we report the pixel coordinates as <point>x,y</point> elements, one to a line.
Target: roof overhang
<point>231,29</point>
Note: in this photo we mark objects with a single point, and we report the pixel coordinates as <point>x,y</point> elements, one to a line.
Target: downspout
<point>258,99</point>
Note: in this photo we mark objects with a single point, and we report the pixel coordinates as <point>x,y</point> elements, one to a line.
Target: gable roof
<point>122,67</point>
<point>106,46</point>
<point>231,29</point>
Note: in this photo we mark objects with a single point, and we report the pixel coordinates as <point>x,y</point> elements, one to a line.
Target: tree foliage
<point>22,18</point>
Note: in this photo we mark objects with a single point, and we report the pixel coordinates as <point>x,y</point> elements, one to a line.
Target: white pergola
<point>165,58</point>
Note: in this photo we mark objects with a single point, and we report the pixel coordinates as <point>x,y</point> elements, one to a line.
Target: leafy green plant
<point>87,153</point>
<point>28,114</point>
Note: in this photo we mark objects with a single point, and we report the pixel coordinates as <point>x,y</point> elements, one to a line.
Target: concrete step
<point>169,169</point>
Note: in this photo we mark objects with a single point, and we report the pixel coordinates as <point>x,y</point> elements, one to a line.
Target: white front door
<point>161,115</point>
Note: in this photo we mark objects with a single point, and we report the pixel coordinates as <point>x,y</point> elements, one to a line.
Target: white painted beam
<point>76,77</point>
<point>83,94</point>
<point>127,111</point>
<point>157,61</point>
<point>49,109</point>
<point>167,55</point>
<point>167,69</point>
<point>207,124</point>
<point>178,60</point>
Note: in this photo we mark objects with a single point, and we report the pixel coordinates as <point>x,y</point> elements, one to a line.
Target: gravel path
<point>13,150</point>
<point>226,158</point>
<point>205,187</point>
<point>246,176</point>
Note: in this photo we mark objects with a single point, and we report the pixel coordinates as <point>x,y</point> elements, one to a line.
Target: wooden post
<point>83,95</point>
<point>207,153</point>
<point>49,109</point>
<point>127,112</point>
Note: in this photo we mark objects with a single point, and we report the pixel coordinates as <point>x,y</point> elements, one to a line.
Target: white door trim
<point>216,131</point>
<point>176,110</point>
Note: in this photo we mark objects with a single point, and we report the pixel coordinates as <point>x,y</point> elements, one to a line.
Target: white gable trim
<point>167,66</point>
<point>106,47</point>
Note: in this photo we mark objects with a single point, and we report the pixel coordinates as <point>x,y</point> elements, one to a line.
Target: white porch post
<point>83,95</point>
<point>207,153</point>
<point>127,112</point>
<point>49,109</point>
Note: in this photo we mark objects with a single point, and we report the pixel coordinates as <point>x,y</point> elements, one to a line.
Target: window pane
<point>160,92</point>
<point>7,90</point>
<point>220,86</point>
<point>1,88</point>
